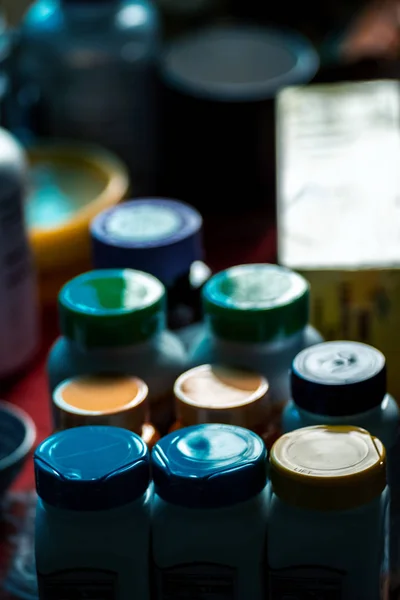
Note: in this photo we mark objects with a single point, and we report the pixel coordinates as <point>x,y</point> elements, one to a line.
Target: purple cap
<point>160,236</point>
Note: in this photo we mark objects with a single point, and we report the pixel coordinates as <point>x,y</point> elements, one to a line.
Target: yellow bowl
<point>70,183</point>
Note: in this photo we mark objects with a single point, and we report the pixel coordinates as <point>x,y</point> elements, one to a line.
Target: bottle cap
<point>219,394</point>
<point>328,467</point>
<point>339,378</point>
<point>156,235</point>
<point>91,468</point>
<point>209,466</point>
<point>256,303</point>
<point>101,400</point>
<point>111,307</point>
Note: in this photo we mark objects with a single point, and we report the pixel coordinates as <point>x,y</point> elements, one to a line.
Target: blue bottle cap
<point>91,468</point>
<point>160,236</point>
<point>338,378</point>
<point>209,466</point>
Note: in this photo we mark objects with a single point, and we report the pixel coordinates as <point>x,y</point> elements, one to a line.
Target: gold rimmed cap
<point>328,467</point>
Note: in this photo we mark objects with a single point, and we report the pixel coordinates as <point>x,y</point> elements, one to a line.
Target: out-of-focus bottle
<point>162,237</point>
<point>18,299</point>
<point>89,65</point>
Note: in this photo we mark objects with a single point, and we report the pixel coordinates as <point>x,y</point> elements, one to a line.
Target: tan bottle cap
<point>101,400</point>
<point>328,467</point>
<point>218,394</point>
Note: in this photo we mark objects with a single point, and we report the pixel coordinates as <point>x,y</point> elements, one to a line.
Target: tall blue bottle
<point>88,67</point>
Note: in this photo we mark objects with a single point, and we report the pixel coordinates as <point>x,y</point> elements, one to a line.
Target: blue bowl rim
<point>29,438</point>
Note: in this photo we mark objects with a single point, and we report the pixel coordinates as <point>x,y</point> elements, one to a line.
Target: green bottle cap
<point>111,307</point>
<point>256,303</point>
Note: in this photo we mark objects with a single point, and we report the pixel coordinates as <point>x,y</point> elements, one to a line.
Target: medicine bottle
<point>344,383</point>
<point>219,394</point>
<point>327,523</point>
<point>209,514</point>
<point>257,318</point>
<point>117,400</point>
<point>93,514</point>
<point>89,68</point>
<point>162,237</point>
<point>113,322</point>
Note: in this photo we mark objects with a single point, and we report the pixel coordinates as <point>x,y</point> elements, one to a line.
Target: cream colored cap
<point>328,467</point>
<point>101,400</point>
<point>218,394</point>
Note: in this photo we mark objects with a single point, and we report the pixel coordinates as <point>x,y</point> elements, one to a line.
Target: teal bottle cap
<point>111,307</point>
<point>256,303</point>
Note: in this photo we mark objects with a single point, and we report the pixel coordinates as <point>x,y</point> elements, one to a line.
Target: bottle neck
<point>272,346</point>
<point>103,352</point>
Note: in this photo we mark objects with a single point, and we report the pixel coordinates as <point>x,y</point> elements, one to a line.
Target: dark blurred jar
<point>219,119</point>
<point>162,237</point>
<point>86,70</point>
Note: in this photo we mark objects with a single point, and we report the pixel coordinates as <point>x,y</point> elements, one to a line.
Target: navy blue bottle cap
<point>338,378</point>
<point>160,236</point>
<point>209,466</point>
<point>91,468</point>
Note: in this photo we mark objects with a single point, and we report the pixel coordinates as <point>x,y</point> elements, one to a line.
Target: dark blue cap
<point>160,236</point>
<point>91,468</point>
<point>209,466</point>
<point>338,378</point>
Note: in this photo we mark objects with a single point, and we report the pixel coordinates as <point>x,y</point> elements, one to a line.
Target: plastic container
<point>257,318</point>
<point>120,401</point>
<point>89,66</point>
<point>162,237</point>
<point>18,294</point>
<point>328,515</point>
<point>218,394</point>
<point>94,500</point>
<point>344,383</point>
<point>209,513</point>
<point>113,322</point>
<point>69,184</point>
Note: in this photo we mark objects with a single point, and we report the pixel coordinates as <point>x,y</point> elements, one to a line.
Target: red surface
<point>245,242</point>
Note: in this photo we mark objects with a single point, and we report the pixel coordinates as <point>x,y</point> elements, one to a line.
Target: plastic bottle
<point>93,514</point>
<point>162,237</point>
<point>219,394</point>
<point>120,401</point>
<point>91,66</point>
<point>328,515</point>
<point>257,318</point>
<point>344,383</point>
<point>113,322</point>
<point>18,294</point>
<point>209,513</point>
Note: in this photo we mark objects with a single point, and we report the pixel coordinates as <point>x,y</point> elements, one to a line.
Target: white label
<point>305,583</point>
<point>80,584</point>
<point>196,581</point>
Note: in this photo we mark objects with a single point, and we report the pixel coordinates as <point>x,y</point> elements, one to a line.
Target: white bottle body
<point>221,550</point>
<point>106,551</point>
<point>340,555</point>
